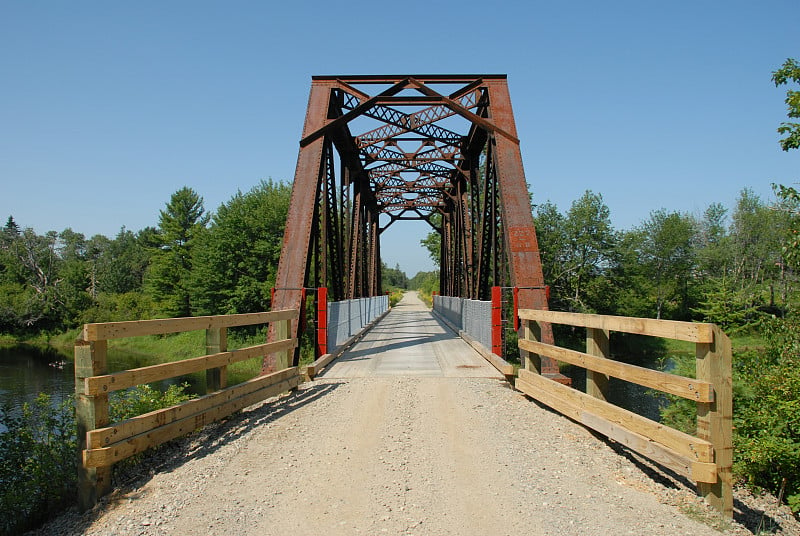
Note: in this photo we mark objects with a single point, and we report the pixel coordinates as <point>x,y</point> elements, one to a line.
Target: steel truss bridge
<point>377,150</point>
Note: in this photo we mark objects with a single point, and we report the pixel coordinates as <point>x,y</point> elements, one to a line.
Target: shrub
<point>395,297</point>
<point>37,462</point>
<point>767,415</point>
<point>143,399</point>
<point>766,410</point>
<point>38,459</point>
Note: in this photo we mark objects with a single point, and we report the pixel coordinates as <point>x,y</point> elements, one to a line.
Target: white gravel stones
<point>421,456</point>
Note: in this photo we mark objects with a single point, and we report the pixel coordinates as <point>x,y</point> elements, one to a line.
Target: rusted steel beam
<point>426,78</point>
<point>411,167</point>
<point>352,114</point>
<point>299,220</point>
<point>520,235</point>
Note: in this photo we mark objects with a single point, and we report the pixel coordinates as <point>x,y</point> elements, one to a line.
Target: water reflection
<point>26,371</point>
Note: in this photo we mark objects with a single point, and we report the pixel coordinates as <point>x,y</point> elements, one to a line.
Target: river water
<point>26,371</point>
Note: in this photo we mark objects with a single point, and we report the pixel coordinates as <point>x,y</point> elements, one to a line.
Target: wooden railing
<point>101,444</point>
<point>705,458</point>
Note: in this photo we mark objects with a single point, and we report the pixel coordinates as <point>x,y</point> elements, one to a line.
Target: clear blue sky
<point>107,108</point>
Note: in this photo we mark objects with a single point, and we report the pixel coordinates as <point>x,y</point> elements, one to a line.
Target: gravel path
<point>382,453</point>
<point>424,456</point>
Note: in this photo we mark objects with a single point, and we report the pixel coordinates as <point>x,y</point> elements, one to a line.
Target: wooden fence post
<point>216,342</point>
<point>91,413</point>
<point>715,419</point>
<point>531,331</point>
<point>282,358</point>
<point>597,343</point>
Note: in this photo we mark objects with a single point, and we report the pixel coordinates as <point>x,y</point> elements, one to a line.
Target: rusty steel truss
<point>376,150</point>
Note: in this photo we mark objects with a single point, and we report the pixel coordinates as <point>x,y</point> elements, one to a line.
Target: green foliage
<point>767,415</point>
<point>790,205</point>
<point>110,307</point>
<point>235,262</point>
<point>119,265</point>
<point>38,470</point>
<point>576,250</point>
<point>766,411</point>
<point>728,305</point>
<point>37,462</point>
<point>668,258</point>
<point>393,277</point>
<point>426,282</point>
<point>395,297</point>
<point>433,240</point>
<point>169,276</point>
<point>144,399</point>
<point>789,72</point>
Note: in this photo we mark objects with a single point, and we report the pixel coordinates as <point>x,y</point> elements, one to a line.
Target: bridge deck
<point>410,341</point>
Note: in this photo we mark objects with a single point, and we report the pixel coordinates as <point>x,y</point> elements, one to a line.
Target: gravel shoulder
<point>398,455</point>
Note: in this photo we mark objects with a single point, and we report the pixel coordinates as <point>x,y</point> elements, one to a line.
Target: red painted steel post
<point>516,308</point>
<point>497,321</point>
<point>322,321</point>
<point>272,298</point>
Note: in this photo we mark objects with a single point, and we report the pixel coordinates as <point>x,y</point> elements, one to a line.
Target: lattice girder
<point>437,148</point>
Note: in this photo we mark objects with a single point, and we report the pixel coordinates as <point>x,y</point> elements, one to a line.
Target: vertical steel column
<point>525,265</point>
<point>297,237</point>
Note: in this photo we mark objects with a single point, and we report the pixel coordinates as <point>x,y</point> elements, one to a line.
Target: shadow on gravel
<point>137,471</point>
<point>753,519</point>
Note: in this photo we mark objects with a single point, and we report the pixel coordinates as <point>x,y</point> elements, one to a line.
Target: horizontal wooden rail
<point>135,328</point>
<point>574,403</point>
<point>117,381</point>
<point>103,437</point>
<point>668,329</point>
<point>151,429</point>
<point>101,445</point>
<point>706,457</point>
<point>697,390</point>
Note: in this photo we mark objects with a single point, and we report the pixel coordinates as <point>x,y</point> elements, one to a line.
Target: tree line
<point>192,263</point>
<point>724,266</point>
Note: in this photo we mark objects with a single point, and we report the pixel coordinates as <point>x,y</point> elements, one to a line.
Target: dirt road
<point>391,454</point>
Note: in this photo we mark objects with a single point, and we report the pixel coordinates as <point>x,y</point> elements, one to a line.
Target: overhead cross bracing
<point>376,150</point>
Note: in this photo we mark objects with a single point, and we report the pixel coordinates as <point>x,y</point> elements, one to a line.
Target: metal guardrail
<point>349,317</point>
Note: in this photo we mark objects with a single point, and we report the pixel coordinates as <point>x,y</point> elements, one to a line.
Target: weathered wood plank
<point>106,456</point>
<point>153,373</point>
<point>106,436</point>
<point>503,367</point>
<point>134,328</point>
<point>690,388</point>
<point>216,343</point>
<point>597,344</point>
<point>91,413</point>
<point>715,419</point>
<point>668,329</point>
<point>646,447</point>
<point>574,404</point>
<point>314,368</point>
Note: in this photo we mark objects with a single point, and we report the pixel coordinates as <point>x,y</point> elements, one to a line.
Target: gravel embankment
<point>425,456</point>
